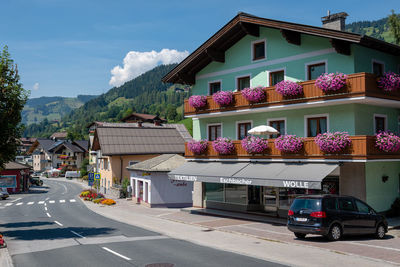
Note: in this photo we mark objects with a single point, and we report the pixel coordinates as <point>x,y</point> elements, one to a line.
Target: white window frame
<point>379,62</point>
<point>214,124</point>
<point>252,50</point>
<point>314,63</point>
<point>279,119</point>
<point>306,117</point>
<point>237,127</point>
<point>241,76</point>
<point>381,116</point>
<point>275,70</point>
<point>210,82</point>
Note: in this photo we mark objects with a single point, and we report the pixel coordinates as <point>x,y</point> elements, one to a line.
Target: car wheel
<point>300,235</point>
<point>335,232</point>
<point>380,231</point>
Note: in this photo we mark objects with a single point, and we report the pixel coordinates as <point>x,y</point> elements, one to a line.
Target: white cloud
<point>136,63</point>
<point>35,86</point>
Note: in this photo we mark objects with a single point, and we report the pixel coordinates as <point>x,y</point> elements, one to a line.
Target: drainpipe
<point>120,180</point>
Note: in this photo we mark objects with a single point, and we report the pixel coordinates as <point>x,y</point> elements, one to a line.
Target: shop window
<point>316,126</point>
<point>379,123</point>
<point>270,196</point>
<point>276,77</point>
<point>243,129</point>
<point>254,193</point>
<point>214,192</point>
<point>279,125</point>
<point>214,131</point>
<point>258,50</point>
<point>235,193</point>
<point>243,82</point>
<point>287,196</point>
<point>315,70</point>
<point>346,204</point>
<point>214,87</point>
<point>377,68</point>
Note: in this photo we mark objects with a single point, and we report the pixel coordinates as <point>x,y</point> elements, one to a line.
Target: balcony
<point>358,85</point>
<point>362,147</point>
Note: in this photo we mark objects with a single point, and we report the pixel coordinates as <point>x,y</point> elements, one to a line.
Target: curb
<point>5,258</point>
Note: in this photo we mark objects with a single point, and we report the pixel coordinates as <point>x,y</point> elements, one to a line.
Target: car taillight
<point>318,214</point>
<point>290,213</point>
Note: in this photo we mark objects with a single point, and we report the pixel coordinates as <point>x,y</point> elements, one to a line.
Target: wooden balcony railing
<point>358,84</point>
<point>362,147</point>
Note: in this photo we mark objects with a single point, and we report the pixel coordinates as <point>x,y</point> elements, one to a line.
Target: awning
<point>277,174</point>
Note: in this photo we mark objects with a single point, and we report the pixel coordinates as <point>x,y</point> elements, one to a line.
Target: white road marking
<point>117,254</point>
<point>20,203</point>
<point>15,199</point>
<point>372,246</point>
<point>72,200</point>
<point>30,203</point>
<point>45,204</point>
<point>48,215</point>
<point>47,198</point>
<point>51,201</point>
<point>75,233</point>
<point>45,208</point>
<point>62,200</point>
<point>8,204</point>
<point>41,202</point>
<point>58,223</point>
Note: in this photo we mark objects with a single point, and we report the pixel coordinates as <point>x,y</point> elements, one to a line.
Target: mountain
<point>144,94</point>
<point>378,29</point>
<point>51,108</point>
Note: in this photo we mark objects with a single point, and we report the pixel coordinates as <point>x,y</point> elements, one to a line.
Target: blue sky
<point>66,48</point>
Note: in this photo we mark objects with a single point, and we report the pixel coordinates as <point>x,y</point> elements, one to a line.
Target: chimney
<point>335,21</point>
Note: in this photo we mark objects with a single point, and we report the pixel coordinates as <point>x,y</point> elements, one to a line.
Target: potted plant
<point>332,142</point>
<point>223,146</point>
<point>198,101</point>
<point>389,82</point>
<point>197,147</point>
<point>330,82</point>
<point>289,88</point>
<point>289,143</point>
<point>387,141</point>
<point>254,94</point>
<point>254,145</point>
<point>223,98</point>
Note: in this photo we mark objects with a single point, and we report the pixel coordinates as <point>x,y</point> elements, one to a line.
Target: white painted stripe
<point>48,215</point>
<point>75,233</point>
<point>8,204</point>
<point>62,201</point>
<point>15,199</point>
<point>41,202</point>
<point>45,203</point>
<point>45,208</point>
<point>30,203</point>
<point>20,203</point>
<point>58,223</point>
<point>47,198</point>
<point>72,200</point>
<point>51,201</point>
<point>372,246</point>
<point>117,254</point>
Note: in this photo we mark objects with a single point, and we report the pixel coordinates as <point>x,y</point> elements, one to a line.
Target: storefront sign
<point>185,178</point>
<point>295,184</point>
<point>234,181</point>
<point>8,181</point>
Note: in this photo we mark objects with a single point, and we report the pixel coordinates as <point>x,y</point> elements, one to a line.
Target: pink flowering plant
<point>289,143</point>
<point>223,146</point>
<point>254,94</point>
<point>254,144</point>
<point>389,82</point>
<point>329,82</point>
<point>197,147</point>
<point>332,142</point>
<point>387,141</point>
<point>223,98</point>
<point>198,101</point>
<point>289,88</point>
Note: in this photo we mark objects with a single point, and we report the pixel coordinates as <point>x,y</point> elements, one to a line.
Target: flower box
<point>289,88</point>
<point>254,145</point>
<point>387,142</point>
<point>330,82</point>
<point>198,101</point>
<point>197,147</point>
<point>333,142</point>
<point>289,143</point>
<point>223,146</point>
<point>254,94</point>
<point>389,82</point>
<point>223,98</point>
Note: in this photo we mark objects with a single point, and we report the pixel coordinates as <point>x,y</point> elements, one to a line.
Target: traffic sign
<point>90,178</point>
<point>97,176</point>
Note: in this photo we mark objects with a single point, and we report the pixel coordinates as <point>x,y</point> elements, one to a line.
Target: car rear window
<point>306,204</point>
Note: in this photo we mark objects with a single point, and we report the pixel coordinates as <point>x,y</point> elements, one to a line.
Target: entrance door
<point>270,199</point>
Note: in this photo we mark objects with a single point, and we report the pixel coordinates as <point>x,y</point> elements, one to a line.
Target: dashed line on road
<point>15,199</point>
<point>45,208</point>
<point>51,201</point>
<point>62,200</point>
<point>47,198</point>
<point>72,200</point>
<point>75,233</point>
<point>48,215</point>
<point>30,203</point>
<point>116,253</point>
<point>8,204</point>
<point>20,203</point>
<point>60,224</point>
<point>41,202</point>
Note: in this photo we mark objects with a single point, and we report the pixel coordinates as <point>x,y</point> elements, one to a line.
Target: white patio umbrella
<point>262,130</point>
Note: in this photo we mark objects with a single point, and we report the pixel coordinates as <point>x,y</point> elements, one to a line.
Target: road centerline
<point>60,224</point>
<point>75,233</point>
<point>48,215</point>
<point>116,253</point>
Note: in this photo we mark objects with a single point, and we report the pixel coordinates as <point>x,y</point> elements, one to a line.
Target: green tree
<point>394,25</point>
<point>171,112</point>
<point>83,169</point>
<point>12,100</point>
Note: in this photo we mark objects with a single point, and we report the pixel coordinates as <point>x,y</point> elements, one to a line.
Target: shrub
<point>197,147</point>
<point>387,141</point>
<point>254,94</point>
<point>331,81</point>
<point>223,98</point>
<point>253,144</point>
<point>332,142</point>
<point>223,145</point>
<point>288,88</point>
<point>198,101</point>
<point>389,82</point>
<point>98,200</point>
<point>108,201</point>
<point>289,143</point>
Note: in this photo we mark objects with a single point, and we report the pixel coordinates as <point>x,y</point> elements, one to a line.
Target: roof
<point>143,117</point>
<point>242,24</point>
<point>16,166</point>
<point>46,144</point>
<point>84,144</point>
<point>59,135</point>
<point>162,163</point>
<point>138,140</point>
<point>67,144</point>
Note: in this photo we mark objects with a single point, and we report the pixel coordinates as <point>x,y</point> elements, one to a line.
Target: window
<point>259,50</point>
<point>346,204</point>
<point>276,77</point>
<point>278,125</point>
<point>377,68</point>
<point>362,208</point>
<point>132,162</point>
<point>243,82</point>
<point>316,126</point>
<point>214,87</point>
<point>315,70</point>
<point>242,129</point>
<point>214,131</point>
<point>379,123</point>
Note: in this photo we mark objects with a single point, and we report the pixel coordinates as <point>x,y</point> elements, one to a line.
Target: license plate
<point>300,219</point>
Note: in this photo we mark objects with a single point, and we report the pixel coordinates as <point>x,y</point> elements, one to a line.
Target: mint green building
<point>251,51</point>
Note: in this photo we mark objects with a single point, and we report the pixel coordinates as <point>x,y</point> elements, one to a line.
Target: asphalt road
<point>50,226</point>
